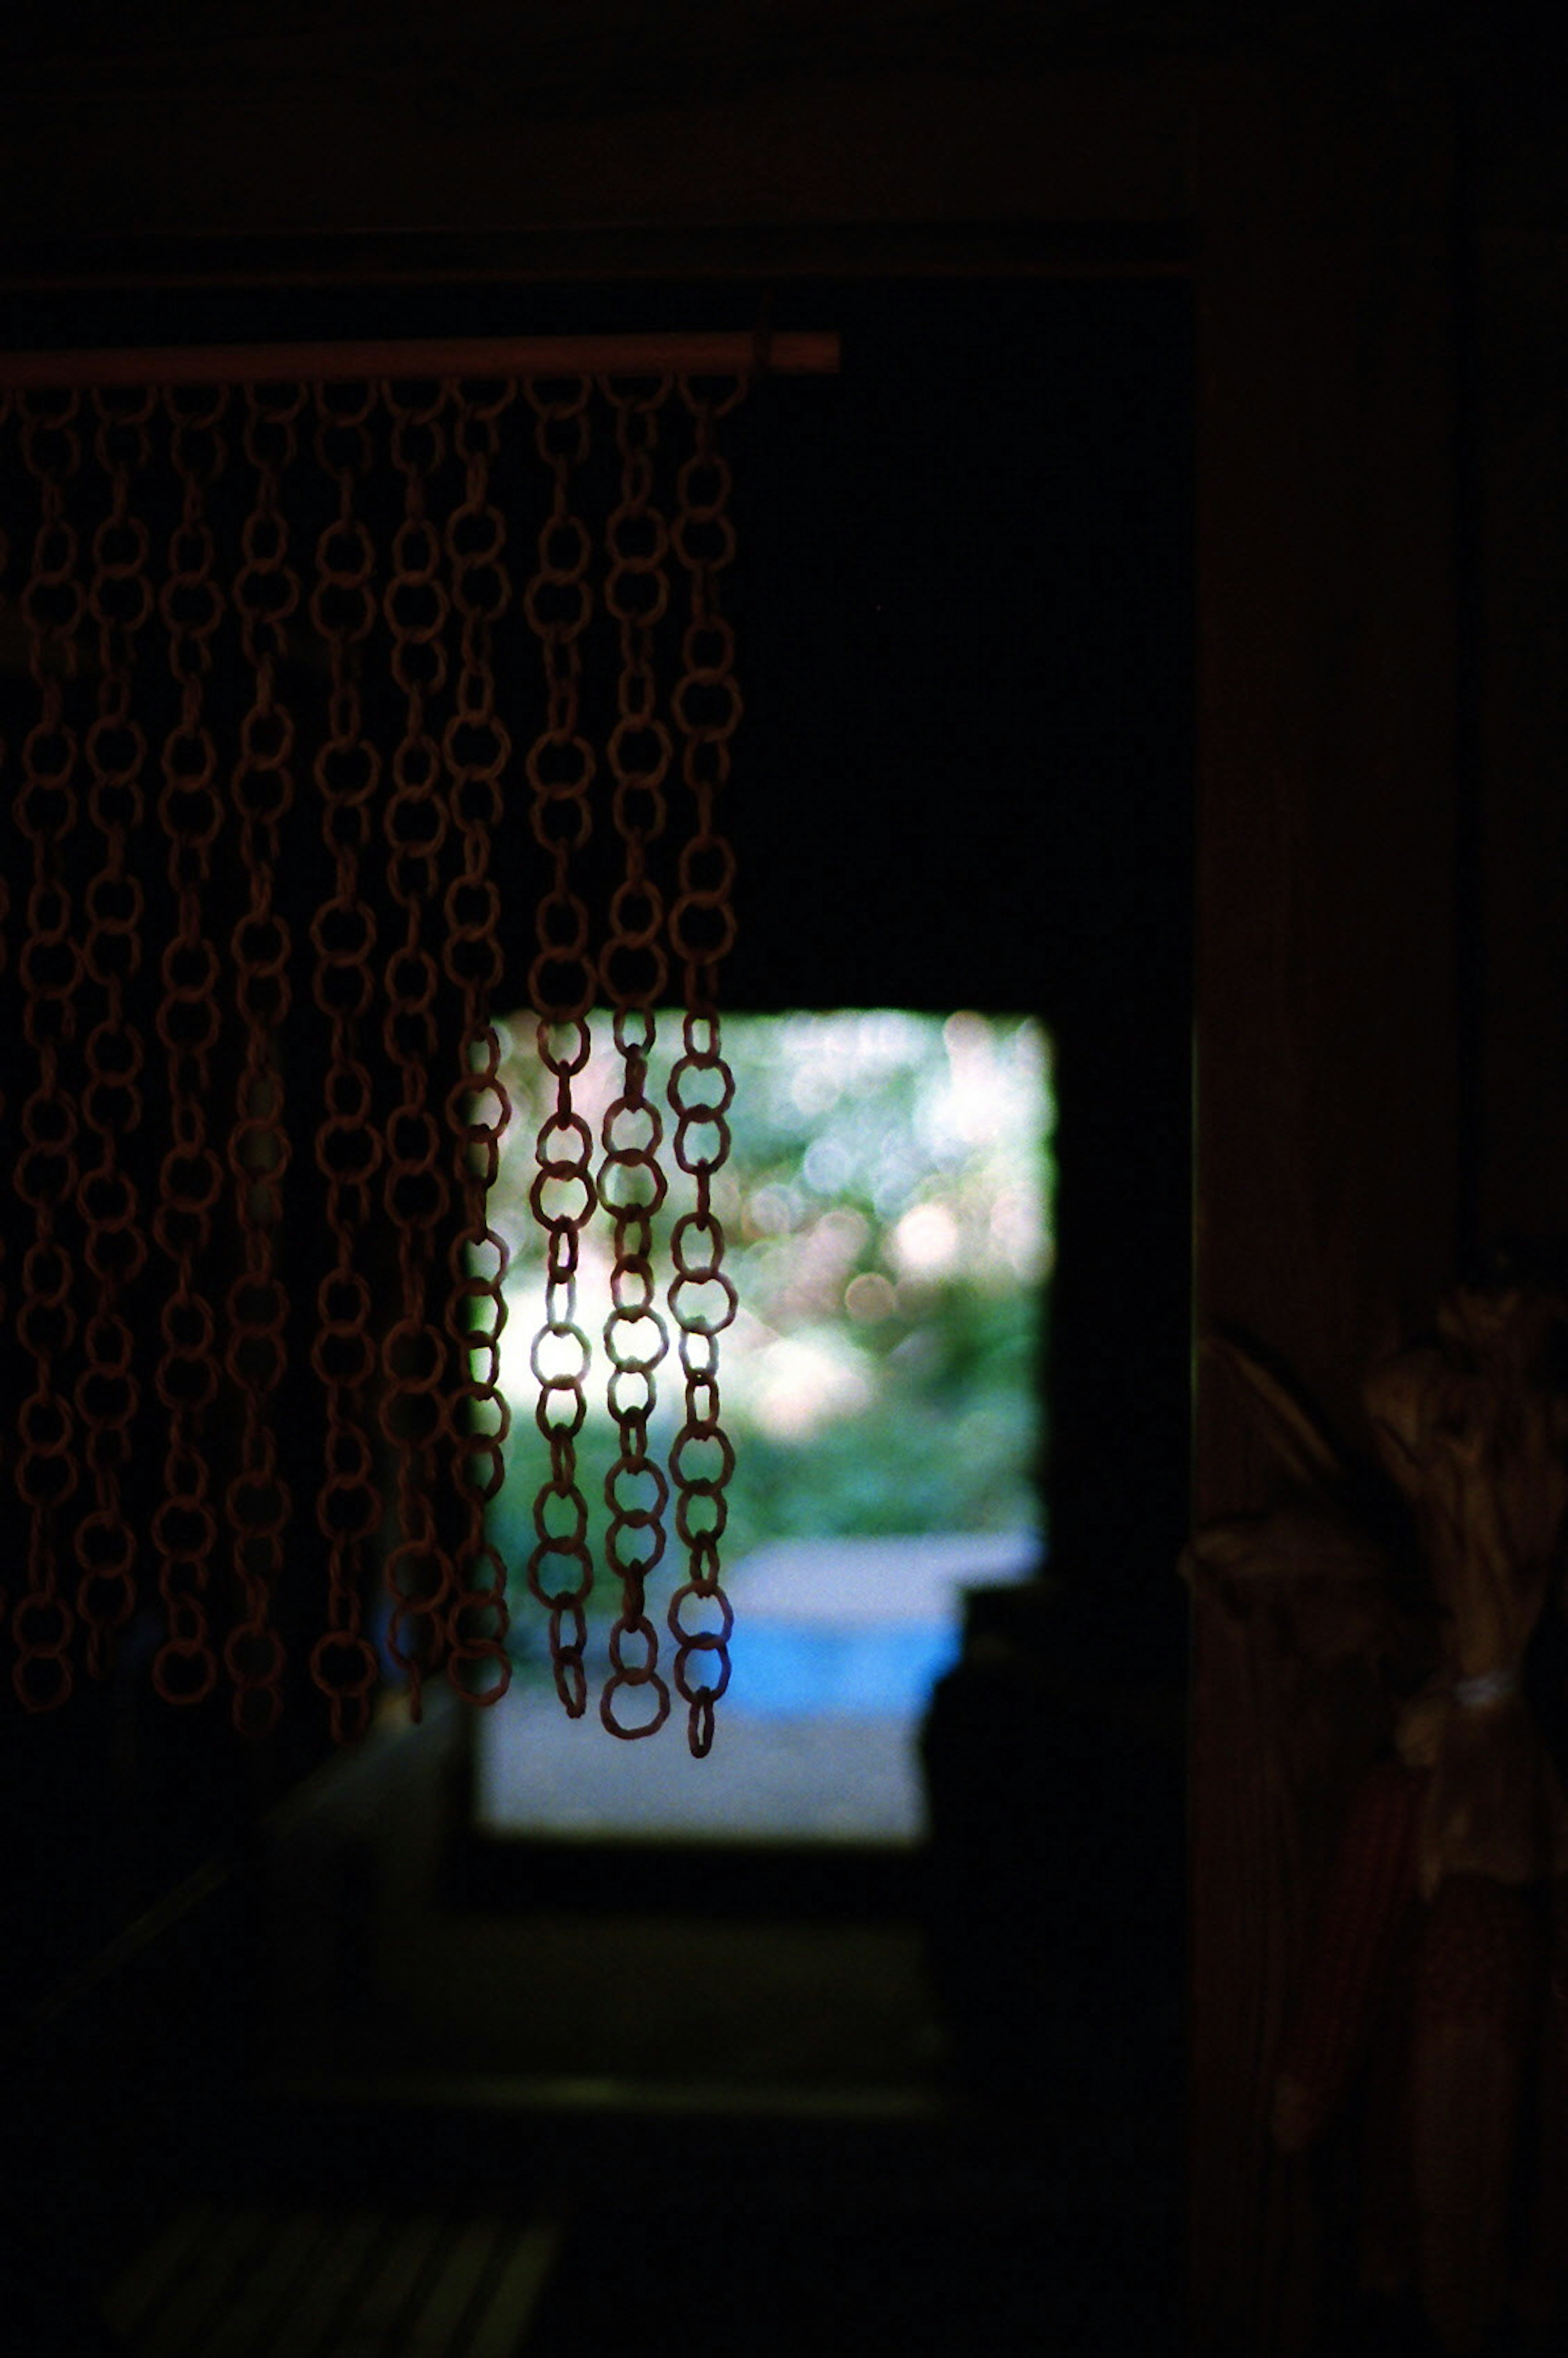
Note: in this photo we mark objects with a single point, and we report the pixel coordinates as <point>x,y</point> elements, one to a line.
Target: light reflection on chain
<point>707,706</point>
<point>560,767</point>
<point>632,1185</point>
<point>478,747</point>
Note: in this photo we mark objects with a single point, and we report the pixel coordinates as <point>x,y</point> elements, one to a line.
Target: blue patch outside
<point>799,1672</point>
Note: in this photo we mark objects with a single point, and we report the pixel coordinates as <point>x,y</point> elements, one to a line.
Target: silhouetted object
<point>1426,2044</point>
<point>1054,1873</point>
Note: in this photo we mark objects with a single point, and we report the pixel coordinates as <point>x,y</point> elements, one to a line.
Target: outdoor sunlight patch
<point>888,1205</point>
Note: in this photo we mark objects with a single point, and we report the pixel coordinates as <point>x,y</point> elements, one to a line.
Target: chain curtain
<point>293,645</point>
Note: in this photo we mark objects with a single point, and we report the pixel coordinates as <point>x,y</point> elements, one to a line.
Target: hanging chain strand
<point>560,767</point>
<point>415,824</point>
<point>706,706</point>
<point>5,923</point>
<point>258,1499</point>
<point>406,1135</point>
<point>478,748</point>
<point>190,1179</point>
<point>347,773</point>
<point>114,1244</point>
<point>634,970</point>
<point>47,1174</point>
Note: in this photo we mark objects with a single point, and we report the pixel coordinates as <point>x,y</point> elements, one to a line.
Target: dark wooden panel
<point>1326,1043</point>
<point>475,257</point>
<point>413,154</point>
<point>1328,1080</point>
<point>1521,833</point>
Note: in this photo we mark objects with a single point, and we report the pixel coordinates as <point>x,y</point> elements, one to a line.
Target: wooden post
<point>1325,1014</point>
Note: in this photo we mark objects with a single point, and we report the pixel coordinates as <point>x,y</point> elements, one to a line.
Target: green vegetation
<point>886,1205</point>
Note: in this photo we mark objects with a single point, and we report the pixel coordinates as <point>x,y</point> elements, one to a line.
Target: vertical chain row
<point>478,747</point>
<point>190,1177</point>
<point>258,1499</point>
<point>49,969</point>
<point>113,1242</point>
<point>4,925</point>
<point>706,706</point>
<point>416,823</point>
<point>414,1164</point>
<point>635,969</point>
<point>347,773</point>
<point>560,768</point>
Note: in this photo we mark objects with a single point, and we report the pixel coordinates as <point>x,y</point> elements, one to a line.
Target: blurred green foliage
<point>887,1209</point>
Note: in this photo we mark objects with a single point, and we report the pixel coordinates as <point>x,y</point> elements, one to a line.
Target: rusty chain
<point>347,1146</point>
<point>428,1389</point>
<point>478,747</point>
<point>5,941</point>
<point>50,967</point>
<point>190,1177</point>
<point>633,968</point>
<point>707,707</point>
<point>561,769</point>
<point>258,1498</point>
<point>114,1248</point>
<point>416,822</point>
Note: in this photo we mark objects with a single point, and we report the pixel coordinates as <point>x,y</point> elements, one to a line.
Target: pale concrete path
<point>849,1775</point>
<point>824,1779</point>
<point>881,1581</point>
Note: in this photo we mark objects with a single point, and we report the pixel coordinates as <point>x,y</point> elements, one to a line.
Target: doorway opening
<point>962,598</point>
<point>888,1201</point>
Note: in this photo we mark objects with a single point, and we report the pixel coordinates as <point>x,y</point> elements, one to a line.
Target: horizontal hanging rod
<point>724,353</point>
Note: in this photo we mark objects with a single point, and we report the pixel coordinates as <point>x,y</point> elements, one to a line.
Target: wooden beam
<point>719,354</point>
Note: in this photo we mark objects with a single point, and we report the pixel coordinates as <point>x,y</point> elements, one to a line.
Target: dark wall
<point>965,780</point>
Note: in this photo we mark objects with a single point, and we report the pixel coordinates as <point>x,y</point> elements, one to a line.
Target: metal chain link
<point>560,768</point>
<point>478,747</point>
<point>189,1021</point>
<point>635,969</point>
<point>435,1377</point>
<point>416,823</point>
<point>706,706</point>
<point>258,1498</point>
<point>5,938</point>
<point>108,1392</point>
<point>47,1172</point>
<point>348,1147</point>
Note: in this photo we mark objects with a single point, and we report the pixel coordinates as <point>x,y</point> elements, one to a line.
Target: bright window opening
<point>888,1207</point>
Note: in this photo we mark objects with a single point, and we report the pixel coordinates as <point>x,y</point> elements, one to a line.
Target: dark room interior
<point>1151,624</point>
